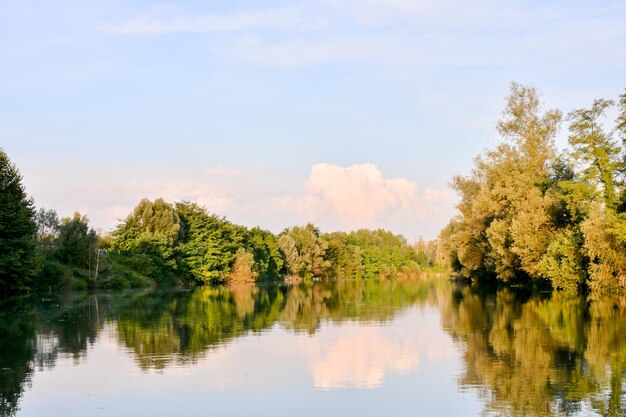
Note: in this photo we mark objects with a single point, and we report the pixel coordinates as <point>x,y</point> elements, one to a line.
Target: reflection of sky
<point>408,365</point>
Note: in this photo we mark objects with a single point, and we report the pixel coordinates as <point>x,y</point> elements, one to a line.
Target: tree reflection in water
<point>524,354</point>
<point>540,354</point>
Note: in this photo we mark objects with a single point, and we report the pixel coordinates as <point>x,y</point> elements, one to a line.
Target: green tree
<point>605,244</point>
<point>304,251</point>
<point>621,129</point>
<point>77,242</point>
<point>48,226</point>
<point>502,228</point>
<point>210,244</point>
<point>149,237</point>
<point>267,256</point>
<point>18,262</point>
<point>595,148</point>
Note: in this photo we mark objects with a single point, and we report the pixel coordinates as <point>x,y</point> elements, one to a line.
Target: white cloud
<point>333,197</point>
<point>277,19</point>
<point>360,357</point>
<point>358,196</point>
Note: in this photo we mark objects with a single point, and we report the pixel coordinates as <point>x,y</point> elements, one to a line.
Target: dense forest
<point>181,243</point>
<point>531,214</point>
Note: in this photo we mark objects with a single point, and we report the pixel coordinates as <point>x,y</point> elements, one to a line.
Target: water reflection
<point>521,354</point>
<point>34,332</point>
<point>181,327</point>
<point>541,355</point>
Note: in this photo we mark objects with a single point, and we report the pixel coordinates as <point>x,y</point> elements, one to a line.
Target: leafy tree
<point>384,253</point>
<point>267,256</point>
<point>502,227</point>
<point>595,148</point>
<point>621,129</point>
<point>304,251</point>
<point>149,237</point>
<point>527,213</point>
<point>243,270</point>
<point>210,244</point>
<point>605,243</point>
<point>18,263</point>
<point>345,259</point>
<point>48,227</point>
<point>77,242</point>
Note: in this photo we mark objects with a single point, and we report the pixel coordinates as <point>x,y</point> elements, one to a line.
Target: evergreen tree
<point>17,230</point>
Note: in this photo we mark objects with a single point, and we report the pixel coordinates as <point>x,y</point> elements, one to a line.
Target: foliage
<point>209,244</point>
<point>243,270</point>
<point>48,226</point>
<point>183,242</point>
<point>77,242</point>
<point>375,253</point>
<point>18,262</point>
<point>149,236</point>
<point>529,214</point>
<point>267,255</point>
<point>605,244</point>
<point>304,251</point>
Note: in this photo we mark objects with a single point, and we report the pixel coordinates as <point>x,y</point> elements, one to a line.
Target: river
<point>424,346</point>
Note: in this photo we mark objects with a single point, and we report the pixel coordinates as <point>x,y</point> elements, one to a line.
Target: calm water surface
<point>369,348</point>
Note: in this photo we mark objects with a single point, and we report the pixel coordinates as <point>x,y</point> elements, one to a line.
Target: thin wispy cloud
<point>264,20</point>
<point>308,51</point>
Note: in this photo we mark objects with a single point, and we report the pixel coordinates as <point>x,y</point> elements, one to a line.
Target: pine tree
<point>17,230</point>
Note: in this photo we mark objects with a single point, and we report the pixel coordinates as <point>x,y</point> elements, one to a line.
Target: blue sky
<point>352,113</point>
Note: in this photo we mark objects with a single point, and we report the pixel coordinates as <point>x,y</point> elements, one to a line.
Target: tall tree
<point>502,227</point>
<point>621,129</point>
<point>48,226</point>
<point>17,230</point>
<point>596,148</point>
<point>77,242</point>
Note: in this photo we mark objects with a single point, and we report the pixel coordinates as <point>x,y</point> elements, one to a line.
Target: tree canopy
<point>18,262</point>
<point>529,213</point>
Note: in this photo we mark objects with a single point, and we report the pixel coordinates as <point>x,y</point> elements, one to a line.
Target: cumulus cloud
<point>334,197</point>
<point>359,196</point>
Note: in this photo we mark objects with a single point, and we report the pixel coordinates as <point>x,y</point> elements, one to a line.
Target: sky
<point>345,113</point>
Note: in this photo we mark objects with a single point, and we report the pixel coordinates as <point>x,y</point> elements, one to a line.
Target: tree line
<point>181,243</point>
<point>531,214</point>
